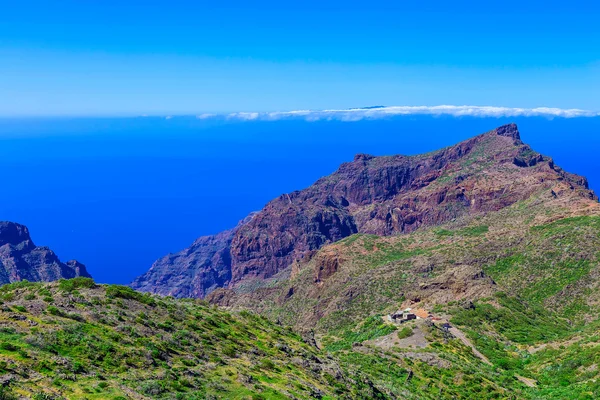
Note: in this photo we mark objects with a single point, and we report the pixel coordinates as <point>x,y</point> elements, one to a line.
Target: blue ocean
<point>118,193</point>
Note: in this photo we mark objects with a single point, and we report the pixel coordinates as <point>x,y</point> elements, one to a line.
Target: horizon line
<point>348,114</point>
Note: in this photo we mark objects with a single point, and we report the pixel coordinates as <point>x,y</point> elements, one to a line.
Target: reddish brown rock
<point>378,195</point>
<point>327,263</point>
<point>390,195</point>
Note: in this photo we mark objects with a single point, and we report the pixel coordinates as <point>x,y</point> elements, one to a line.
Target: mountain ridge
<point>383,195</point>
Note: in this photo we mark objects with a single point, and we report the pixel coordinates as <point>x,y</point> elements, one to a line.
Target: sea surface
<point>118,193</point>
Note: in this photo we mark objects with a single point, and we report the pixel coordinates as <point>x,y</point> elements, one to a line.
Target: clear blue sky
<point>179,57</point>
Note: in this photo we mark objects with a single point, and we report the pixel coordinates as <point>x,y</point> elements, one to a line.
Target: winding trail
<point>463,338</point>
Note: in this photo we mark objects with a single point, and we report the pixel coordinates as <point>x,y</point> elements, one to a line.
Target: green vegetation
<point>372,328</point>
<point>469,231</point>
<point>405,332</point>
<point>125,292</point>
<point>519,283</point>
<point>107,342</point>
<point>70,285</point>
<point>517,321</point>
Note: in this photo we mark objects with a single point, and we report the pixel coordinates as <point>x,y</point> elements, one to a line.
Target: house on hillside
<point>421,313</point>
<point>402,316</point>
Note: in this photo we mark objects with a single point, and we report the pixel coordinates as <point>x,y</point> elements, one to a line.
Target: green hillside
<point>520,284</point>
<point>78,340</point>
<point>74,339</point>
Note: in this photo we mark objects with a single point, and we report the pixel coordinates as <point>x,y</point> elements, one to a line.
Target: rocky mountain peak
<point>363,157</point>
<point>509,130</point>
<point>381,195</point>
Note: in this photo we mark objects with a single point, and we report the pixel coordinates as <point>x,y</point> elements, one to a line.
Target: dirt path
<point>526,381</point>
<point>463,338</point>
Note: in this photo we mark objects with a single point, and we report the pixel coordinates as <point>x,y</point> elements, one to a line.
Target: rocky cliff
<point>21,259</point>
<point>375,195</point>
<point>195,271</point>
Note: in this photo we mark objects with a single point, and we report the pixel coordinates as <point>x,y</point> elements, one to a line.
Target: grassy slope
<point>76,340</point>
<point>543,321</point>
<point>539,321</point>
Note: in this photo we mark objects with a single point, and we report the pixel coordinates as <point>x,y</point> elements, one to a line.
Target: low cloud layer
<point>357,114</point>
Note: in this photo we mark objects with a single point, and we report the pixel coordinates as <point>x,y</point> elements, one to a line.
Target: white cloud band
<point>357,114</point>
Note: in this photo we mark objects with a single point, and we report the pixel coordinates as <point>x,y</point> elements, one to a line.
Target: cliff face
<point>377,195</point>
<point>195,271</point>
<point>21,259</point>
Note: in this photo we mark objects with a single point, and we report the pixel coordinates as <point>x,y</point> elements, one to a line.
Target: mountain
<point>513,278</point>
<point>21,259</point>
<point>371,195</point>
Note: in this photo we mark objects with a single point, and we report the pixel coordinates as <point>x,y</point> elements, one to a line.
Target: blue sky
<point>180,57</point>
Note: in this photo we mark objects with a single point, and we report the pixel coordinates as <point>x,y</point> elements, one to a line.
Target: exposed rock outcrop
<point>21,259</point>
<point>195,271</point>
<point>377,195</point>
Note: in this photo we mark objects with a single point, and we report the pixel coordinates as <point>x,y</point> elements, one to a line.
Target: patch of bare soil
<point>416,341</point>
<point>526,381</point>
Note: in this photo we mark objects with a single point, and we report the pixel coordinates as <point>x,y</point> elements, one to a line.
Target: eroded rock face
<point>377,195</point>
<point>391,195</point>
<point>454,284</point>
<point>192,272</point>
<point>327,263</point>
<point>21,259</point>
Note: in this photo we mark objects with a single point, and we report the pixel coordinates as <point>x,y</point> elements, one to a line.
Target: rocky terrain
<point>370,195</point>
<point>195,271</point>
<point>21,259</point>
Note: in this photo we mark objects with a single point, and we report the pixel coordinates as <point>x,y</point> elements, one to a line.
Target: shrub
<point>20,308</point>
<point>265,363</point>
<point>405,332</point>
<point>103,385</point>
<point>10,296</point>
<point>43,396</point>
<point>54,311</point>
<point>70,285</point>
<point>17,285</point>
<point>8,346</point>
<point>125,292</point>
<point>229,351</point>
<point>59,313</point>
<point>153,388</point>
<point>5,394</point>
